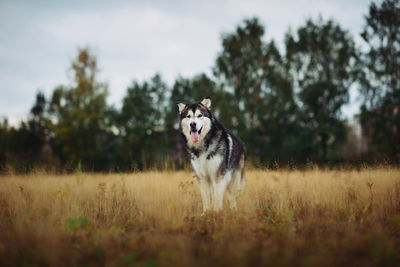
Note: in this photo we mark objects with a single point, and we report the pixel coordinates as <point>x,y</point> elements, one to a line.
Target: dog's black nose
<point>192,124</point>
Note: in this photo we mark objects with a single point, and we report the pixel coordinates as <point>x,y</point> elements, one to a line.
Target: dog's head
<point>195,121</point>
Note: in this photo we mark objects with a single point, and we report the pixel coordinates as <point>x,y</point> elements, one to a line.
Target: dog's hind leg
<point>233,189</point>
<point>236,187</point>
<point>231,195</point>
<point>219,189</point>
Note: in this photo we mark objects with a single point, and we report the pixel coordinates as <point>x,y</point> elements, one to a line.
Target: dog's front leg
<point>205,191</point>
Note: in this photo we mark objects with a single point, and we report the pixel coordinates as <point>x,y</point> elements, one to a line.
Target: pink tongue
<point>194,136</point>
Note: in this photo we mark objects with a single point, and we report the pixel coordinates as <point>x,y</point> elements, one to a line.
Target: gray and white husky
<point>217,155</point>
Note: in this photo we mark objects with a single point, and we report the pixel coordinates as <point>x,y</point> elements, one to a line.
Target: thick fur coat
<point>216,154</point>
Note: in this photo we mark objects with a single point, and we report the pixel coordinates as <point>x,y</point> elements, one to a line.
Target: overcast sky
<point>133,40</point>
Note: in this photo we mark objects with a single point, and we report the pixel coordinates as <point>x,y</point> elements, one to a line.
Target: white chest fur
<point>206,167</point>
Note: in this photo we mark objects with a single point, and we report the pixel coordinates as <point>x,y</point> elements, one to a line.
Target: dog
<point>216,154</point>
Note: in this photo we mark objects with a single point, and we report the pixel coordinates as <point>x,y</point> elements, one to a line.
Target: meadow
<point>310,217</point>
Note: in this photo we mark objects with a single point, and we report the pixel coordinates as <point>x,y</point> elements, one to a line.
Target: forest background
<point>285,104</point>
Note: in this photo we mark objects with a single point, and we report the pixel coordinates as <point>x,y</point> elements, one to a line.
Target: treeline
<point>285,106</point>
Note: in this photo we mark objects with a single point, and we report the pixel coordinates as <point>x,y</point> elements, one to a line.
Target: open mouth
<point>195,131</point>
<point>194,135</point>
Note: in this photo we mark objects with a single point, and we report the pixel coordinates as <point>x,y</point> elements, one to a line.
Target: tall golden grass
<point>309,218</point>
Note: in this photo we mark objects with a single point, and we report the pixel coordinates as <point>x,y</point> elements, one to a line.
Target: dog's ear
<point>181,107</point>
<point>206,102</point>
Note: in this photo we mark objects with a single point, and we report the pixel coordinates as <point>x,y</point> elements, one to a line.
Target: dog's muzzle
<point>194,134</point>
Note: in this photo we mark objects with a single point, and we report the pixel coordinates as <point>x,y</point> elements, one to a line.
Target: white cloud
<point>133,40</point>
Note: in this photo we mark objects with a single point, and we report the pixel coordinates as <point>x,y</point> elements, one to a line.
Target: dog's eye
<point>200,115</point>
<point>188,116</point>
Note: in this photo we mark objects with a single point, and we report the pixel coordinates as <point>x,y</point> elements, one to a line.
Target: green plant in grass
<point>77,224</point>
<point>78,176</point>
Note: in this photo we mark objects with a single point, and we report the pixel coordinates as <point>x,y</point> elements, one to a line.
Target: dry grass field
<point>297,218</point>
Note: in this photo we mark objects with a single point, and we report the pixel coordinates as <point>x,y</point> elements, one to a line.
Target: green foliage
<point>4,132</point>
<point>253,76</point>
<point>79,173</point>
<point>322,60</point>
<point>288,106</point>
<point>76,224</point>
<point>240,68</point>
<point>80,112</point>
<point>26,146</point>
<point>380,81</point>
<point>141,123</point>
<point>285,106</point>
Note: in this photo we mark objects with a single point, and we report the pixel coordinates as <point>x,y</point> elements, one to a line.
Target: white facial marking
<point>197,119</point>
<point>185,125</point>
<point>203,126</point>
